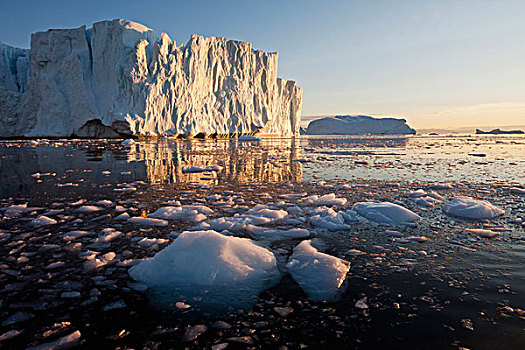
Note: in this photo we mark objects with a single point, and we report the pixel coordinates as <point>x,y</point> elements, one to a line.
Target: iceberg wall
<point>118,78</point>
<point>356,125</point>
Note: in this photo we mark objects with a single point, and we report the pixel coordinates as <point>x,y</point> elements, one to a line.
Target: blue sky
<point>437,63</point>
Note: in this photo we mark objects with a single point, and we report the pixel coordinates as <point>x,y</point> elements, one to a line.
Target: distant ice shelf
<point>119,78</point>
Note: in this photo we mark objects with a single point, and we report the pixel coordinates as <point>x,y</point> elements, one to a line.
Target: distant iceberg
<point>499,132</point>
<point>358,125</point>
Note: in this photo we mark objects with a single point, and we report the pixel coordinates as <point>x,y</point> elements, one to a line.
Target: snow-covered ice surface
<point>70,273</point>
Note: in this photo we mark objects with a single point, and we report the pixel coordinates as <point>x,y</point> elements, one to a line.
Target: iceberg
<point>119,78</point>
<point>357,125</point>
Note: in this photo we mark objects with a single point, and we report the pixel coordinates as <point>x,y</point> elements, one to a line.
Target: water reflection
<point>242,162</point>
<point>85,166</point>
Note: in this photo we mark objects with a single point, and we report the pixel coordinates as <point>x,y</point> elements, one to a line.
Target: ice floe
<point>329,219</point>
<point>194,213</point>
<point>386,213</point>
<point>147,221</point>
<point>327,199</point>
<point>42,221</point>
<point>470,208</point>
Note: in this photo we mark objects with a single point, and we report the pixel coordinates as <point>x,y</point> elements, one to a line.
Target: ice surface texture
<point>118,78</point>
<point>470,208</point>
<point>355,125</point>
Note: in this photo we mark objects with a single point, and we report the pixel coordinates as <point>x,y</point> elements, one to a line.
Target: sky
<point>436,63</point>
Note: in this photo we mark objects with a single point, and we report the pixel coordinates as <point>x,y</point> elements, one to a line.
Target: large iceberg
<point>357,125</point>
<point>118,78</point>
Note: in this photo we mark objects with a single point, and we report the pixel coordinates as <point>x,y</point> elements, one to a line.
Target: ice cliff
<point>119,78</point>
<point>355,125</point>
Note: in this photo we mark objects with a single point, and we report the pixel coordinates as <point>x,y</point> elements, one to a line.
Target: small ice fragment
<point>128,142</point>
<point>123,216</point>
<point>361,303</point>
<point>328,199</point>
<point>88,209</point>
<point>42,221</point>
<point>147,221</point>
<point>248,138</point>
<point>67,342</point>
<point>194,332</point>
<point>482,232</point>
<point>17,318</point>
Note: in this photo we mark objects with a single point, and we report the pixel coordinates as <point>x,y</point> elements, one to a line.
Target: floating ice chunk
<point>482,232</point>
<point>248,138</point>
<point>123,216</point>
<point>329,219</point>
<point>327,199</point>
<point>276,234</point>
<point>292,195</point>
<point>93,263</point>
<point>194,213</point>
<point>470,208</point>
<point>108,236</point>
<point>89,209</point>
<point>263,211</point>
<point>320,275</point>
<point>148,242</point>
<point>53,212</point>
<point>17,318</point>
<point>71,235</point>
<point>19,209</point>
<point>42,221</point>
<point>225,269</point>
<point>258,215</point>
<point>104,203</point>
<point>128,142</point>
<point>354,252</point>
<point>386,213</point>
<point>517,190</point>
<point>201,169</point>
<point>125,189</point>
<point>147,221</point>
<point>442,187</point>
<point>67,342</point>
